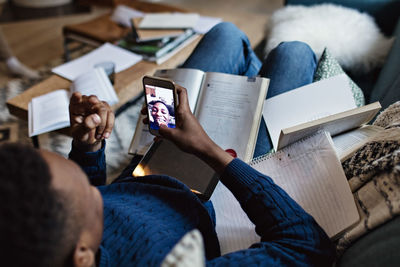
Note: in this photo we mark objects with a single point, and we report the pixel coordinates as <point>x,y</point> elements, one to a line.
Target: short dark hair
<point>169,107</point>
<point>34,229</point>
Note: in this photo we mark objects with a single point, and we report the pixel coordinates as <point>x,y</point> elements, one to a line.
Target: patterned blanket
<point>373,173</point>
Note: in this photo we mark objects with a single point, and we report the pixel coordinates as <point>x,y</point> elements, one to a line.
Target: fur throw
<point>373,173</point>
<point>352,37</point>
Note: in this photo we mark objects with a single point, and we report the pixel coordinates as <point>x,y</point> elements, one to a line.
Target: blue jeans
<point>227,49</point>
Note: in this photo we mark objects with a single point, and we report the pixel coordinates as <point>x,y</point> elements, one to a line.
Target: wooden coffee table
<point>127,83</point>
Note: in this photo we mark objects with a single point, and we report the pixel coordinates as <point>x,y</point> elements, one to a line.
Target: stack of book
<point>157,40</point>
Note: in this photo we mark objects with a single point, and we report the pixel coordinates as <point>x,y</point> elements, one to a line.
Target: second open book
<point>325,105</point>
<point>50,112</point>
<point>227,106</point>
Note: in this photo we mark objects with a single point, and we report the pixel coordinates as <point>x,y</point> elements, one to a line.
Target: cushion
<point>387,88</point>
<point>329,67</point>
<point>188,252</point>
<point>352,37</point>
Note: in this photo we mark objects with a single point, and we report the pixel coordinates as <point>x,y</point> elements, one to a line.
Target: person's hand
<point>91,120</point>
<point>190,137</point>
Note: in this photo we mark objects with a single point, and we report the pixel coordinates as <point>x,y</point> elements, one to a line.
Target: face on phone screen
<point>160,104</point>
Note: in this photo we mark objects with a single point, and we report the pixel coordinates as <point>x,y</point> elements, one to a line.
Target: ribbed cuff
<point>239,177</point>
<point>87,158</point>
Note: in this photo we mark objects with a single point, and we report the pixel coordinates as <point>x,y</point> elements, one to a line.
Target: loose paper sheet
<point>311,174</point>
<point>122,59</point>
<point>95,82</point>
<point>204,24</point>
<point>123,14</point>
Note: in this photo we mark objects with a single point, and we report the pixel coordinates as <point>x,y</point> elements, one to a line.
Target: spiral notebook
<point>310,172</point>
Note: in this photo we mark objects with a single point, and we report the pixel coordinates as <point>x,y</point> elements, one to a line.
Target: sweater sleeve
<point>289,236</point>
<point>92,163</point>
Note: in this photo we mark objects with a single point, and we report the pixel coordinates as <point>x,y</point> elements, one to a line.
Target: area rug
<point>117,145</point>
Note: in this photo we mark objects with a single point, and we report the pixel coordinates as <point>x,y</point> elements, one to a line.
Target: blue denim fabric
<point>224,49</point>
<point>288,66</point>
<point>227,49</point>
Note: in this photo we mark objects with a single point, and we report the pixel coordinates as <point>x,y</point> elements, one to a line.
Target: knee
<point>225,29</point>
<point>294,49</point>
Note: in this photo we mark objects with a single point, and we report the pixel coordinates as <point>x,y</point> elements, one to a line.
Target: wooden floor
<point>36,42</point>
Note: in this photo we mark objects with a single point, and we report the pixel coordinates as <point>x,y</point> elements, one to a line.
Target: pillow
<point>352,37</point>
<point>329,67</point>
<point>188,252</point>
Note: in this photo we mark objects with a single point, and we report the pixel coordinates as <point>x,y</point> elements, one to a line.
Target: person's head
<point>50,215</point>
<point>161,112</point>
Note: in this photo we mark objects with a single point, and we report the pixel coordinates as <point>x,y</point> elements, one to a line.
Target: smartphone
<point>161,101</point>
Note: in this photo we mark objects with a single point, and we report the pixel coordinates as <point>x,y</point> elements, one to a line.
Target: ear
<point>84,256</point>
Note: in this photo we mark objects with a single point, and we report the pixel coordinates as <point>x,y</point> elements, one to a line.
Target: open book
<point>310,172</point>
<point>50,112</point>
<point>227,106</point>
<point>325,105</point>
<point>229,109</point>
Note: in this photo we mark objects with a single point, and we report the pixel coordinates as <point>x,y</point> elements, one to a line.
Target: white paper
<point>191,79</point>
<point>122,59</point>
<point>123,14</point>
<point>234,229</point>
<point>226,111</point>
<point>307,103</point>
<point>310,172</point>
<point>48,112</point>
<point>204,24</point>
<point>169,21</point>
<point>96,82</point>
<point>349,141</point>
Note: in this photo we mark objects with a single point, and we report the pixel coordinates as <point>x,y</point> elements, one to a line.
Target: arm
<point>289,236</point>
<point>92,121</point>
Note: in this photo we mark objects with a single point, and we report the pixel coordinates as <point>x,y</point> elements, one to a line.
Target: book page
<point>349,142</point>
<point>307,103</point>
<point>310,172</point>
<point>191,79</point>
<point>142,138</point>
<point>229,109</point>
<point>333,124</point>
<point>169,21</point>
<point>48,112</point>
<point>122,59</point>
<point>95,82</point>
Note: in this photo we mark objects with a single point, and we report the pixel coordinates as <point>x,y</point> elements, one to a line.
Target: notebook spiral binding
<point>263,157</point>
<point>274,154</point>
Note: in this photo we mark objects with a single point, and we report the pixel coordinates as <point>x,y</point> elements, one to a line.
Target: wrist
<point>84,147</point>
<point>215,157</point>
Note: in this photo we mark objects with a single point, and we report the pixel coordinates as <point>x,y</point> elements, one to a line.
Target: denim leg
<point>288,66</point>
<point>224,49</point>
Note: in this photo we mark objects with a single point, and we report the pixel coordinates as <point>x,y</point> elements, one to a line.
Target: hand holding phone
<point>161,102</point>
<point>189,136</point>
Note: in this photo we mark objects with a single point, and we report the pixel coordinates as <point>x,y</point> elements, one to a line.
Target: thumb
<point>166,132</point>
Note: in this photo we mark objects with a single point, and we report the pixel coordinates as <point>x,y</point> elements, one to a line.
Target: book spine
<point>173,44</point>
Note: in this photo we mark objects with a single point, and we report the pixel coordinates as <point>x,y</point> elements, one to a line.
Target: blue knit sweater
<point>145,217</point>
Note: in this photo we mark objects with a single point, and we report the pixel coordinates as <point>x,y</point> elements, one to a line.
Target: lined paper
<point>310,172</point>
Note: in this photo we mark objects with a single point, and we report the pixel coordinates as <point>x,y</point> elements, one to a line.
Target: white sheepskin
<point>352,37</point>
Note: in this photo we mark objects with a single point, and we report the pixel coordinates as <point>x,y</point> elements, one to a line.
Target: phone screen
<point>161,106</point>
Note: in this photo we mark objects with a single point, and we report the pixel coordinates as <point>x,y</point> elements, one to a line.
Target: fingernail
<point>106,135</point>
<point>78,119</point>
<point>96,118</point>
